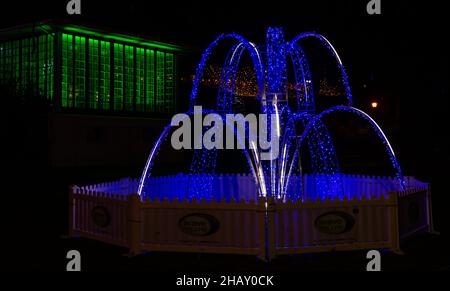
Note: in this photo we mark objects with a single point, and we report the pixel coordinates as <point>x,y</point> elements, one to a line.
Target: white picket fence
<point>124,186</point>
<point>243,186</point>
<point>110,210</point>
<point>371,223</point>
<point>114,213</point>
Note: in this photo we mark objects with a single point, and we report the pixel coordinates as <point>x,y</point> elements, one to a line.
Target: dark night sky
<point>399,54</point>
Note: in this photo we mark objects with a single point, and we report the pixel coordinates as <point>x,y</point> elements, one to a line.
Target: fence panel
<point>335,225</point>
<point>414,211</point>
<point>99,216</point>
<point>216,227</point>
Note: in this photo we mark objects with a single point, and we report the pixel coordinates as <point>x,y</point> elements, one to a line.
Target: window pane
<point>10,64</point>
<point>7,67</point>
<point>169,85</point>
<point>129,77</point>
<point>93,74</point>
<point>105,75</point>
<point>26,67</point>
<point>80,71</point>
<point>45,66</point>
<point>5,74</point>
<point>34,57</point>
<point>140,81</point>
<point>159,81</point>
<point>42,65</point>
<point>50,67</point>
<point>2,61</point>
<point>67,71</point>
<point>29,64</point>
<point>118,76</point>
<point>150,82</point>
<point>15,61</point>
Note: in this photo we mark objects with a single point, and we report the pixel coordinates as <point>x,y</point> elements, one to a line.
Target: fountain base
<point>264,227</point>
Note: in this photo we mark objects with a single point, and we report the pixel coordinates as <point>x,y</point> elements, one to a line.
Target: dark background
<point>399,58</point>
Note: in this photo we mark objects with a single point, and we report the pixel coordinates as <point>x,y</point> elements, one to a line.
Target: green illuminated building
<point>79,68</point>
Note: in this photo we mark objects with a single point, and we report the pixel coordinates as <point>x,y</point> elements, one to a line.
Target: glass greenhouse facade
<point>81,68</point>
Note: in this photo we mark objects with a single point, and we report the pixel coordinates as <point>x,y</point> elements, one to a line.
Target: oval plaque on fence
<point>334,222</point>
<point>199,224</point>
<point>100,216</point>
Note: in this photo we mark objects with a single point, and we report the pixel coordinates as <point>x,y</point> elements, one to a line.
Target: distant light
<point>374,104</point>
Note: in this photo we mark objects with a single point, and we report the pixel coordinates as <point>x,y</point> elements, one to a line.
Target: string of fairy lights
<point>246,83</point>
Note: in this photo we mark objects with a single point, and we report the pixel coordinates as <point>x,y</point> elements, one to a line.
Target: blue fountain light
<point>274,177</point>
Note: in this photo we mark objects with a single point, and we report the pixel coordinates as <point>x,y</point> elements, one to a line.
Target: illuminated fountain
<point>279,207</point>
<point>281,178</point>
